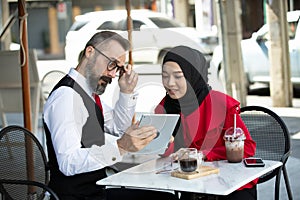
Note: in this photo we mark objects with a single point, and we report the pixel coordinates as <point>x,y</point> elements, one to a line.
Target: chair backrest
<point>270,133</point>
<point>23,161</point>
<point>49,80</point>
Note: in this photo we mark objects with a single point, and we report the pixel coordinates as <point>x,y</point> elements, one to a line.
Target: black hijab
<point>195,69</point>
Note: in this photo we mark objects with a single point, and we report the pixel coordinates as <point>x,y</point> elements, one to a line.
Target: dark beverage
<point>188,164</point>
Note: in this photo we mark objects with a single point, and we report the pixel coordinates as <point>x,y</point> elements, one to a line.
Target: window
<point>120,25</point>
<point>109,25</point>
<point>137,25</point>
<point>164,23</point>
<point>78,25</point>
<point>292,26</point>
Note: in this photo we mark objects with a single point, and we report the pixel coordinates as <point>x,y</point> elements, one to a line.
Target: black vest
<point>83,184</point>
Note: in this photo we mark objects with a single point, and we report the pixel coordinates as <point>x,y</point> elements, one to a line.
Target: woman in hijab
<point>205,114</point>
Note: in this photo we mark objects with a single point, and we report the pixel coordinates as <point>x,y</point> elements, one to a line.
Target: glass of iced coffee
<point>234,143</point>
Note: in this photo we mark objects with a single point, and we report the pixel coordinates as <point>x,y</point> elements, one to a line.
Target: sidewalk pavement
<point>291,116</point>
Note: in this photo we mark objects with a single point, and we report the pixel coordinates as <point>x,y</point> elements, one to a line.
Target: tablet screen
<point>165,124</point>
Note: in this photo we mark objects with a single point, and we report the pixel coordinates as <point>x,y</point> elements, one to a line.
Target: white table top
<point>231,177</point>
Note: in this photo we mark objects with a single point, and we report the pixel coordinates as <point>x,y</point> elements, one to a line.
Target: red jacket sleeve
<point>219,151</point>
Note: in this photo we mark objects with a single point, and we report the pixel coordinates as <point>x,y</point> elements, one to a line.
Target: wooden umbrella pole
<point>129,30</point>
<point>26,89</point>
<point>24,64</point>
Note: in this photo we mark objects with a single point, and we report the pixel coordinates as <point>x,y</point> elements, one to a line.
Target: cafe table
<point>156,174</point>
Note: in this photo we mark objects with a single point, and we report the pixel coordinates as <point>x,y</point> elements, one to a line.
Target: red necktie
<point>97,99</point>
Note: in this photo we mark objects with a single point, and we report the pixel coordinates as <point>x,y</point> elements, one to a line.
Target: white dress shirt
<point>65,114</point>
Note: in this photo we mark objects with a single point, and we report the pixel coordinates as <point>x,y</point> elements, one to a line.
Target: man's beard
<point>102,83</point>
<point>97,83</point>
<point>91,77</point>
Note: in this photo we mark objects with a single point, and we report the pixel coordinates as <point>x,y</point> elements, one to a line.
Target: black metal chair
<point>23,166</point>
<point>272,139</point>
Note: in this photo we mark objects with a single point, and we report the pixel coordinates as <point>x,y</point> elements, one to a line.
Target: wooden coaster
<point>202,171</point>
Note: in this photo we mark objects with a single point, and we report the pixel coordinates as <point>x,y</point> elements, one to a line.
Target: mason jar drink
<point>234,143</point>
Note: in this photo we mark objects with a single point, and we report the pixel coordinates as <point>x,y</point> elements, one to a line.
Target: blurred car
<point>255,54</point>
<point>153,34</point>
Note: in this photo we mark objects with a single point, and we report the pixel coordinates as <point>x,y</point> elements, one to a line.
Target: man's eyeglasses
<point>112,64</point>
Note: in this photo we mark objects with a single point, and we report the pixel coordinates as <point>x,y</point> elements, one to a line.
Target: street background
<point>49,21</point>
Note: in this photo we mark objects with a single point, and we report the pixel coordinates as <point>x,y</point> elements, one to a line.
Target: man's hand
<point>136,138</point>
<point>128,80</point>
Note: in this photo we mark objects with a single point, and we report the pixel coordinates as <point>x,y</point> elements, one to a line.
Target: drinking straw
<point>234,126</point>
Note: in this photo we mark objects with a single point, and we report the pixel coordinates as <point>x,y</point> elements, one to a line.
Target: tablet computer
<point>165,125</point>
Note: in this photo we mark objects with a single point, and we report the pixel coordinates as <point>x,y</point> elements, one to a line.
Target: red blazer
<point>205,127</point>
